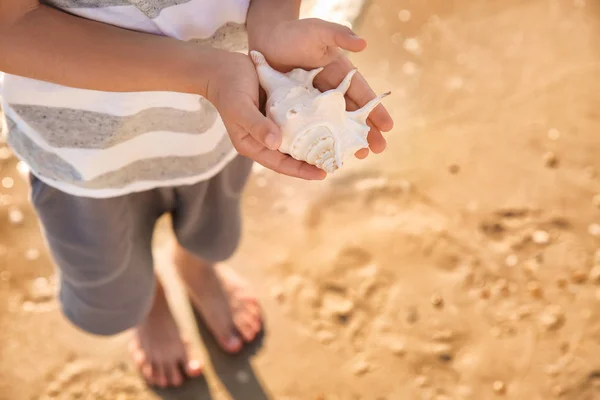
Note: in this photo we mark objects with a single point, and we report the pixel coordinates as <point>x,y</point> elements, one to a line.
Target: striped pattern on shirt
<point>104,144</point>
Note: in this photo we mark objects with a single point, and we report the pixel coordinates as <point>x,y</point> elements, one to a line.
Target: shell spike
<point>257,58</point>
<point>362,114</point>
<point>313,73</point>
<point>269,78</point>
<point>345,84</point>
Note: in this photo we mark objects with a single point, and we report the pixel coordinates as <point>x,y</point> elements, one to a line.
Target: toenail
<point>194,364</point>
<point>234,341</point>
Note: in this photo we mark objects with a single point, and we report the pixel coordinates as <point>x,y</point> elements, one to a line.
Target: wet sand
<point>459,264</point>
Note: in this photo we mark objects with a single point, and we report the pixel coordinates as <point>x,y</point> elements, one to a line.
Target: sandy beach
<point>461,263</point>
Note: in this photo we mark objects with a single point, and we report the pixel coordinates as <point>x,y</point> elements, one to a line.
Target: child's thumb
<point>341,36</point>
<point>259,127</point>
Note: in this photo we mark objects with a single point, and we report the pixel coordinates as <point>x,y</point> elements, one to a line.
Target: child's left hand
<point>312,43</point>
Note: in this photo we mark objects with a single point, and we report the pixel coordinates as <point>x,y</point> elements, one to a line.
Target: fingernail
<point>271,141</point>
<point>355,36</point>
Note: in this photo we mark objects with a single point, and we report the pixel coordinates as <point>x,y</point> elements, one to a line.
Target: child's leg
<point>206,220</point>
<point>107,283</point>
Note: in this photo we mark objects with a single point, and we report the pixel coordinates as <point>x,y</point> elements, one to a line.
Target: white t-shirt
<point>104,144</point>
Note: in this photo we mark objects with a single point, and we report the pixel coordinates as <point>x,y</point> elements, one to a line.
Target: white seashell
<point>315,126</point>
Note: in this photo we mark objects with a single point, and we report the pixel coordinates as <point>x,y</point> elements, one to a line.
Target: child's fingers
<point>360,91</point>
<point>277,161</point>
<point>261,128</point>
<point>336,35</point>
<point>362,154</point>
<point>377,142</point>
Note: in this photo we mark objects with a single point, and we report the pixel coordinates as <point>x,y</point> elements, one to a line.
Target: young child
<point>128,109</point>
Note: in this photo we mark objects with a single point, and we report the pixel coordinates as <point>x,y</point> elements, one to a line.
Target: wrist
<point>201,66</point>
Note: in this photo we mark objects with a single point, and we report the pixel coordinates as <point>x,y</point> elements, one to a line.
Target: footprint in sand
<point>338,302</point>
<point>84,380</point>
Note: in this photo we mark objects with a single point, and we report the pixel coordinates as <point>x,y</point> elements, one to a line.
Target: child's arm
<point>39,42</point>
<point>42,43</point>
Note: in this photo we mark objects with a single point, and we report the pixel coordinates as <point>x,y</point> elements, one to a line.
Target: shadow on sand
<point>234,371</point>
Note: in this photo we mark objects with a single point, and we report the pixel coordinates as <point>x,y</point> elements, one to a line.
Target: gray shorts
<point>102,247</point>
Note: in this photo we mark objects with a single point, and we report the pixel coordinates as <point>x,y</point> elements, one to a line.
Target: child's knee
<point>105,313</point>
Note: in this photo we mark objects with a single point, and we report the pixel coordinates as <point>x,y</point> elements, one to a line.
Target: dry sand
<point>459,264</point>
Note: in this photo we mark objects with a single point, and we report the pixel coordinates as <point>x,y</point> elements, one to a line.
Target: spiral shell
<point>315,125</point>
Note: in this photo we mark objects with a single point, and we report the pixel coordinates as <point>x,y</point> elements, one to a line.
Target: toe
<point>159,376</point>
<point>231,343</point>
<point>248,325</point>
<point>254,309</point>
<point>173,375</point>
<point>193,368</point>
<point>147,372</point>
<point>246,329</point>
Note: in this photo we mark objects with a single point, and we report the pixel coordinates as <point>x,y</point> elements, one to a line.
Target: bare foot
<point>157,348</point>
<point>221,296</point>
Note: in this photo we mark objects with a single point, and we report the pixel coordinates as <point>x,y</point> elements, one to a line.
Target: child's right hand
<point>233,90</point>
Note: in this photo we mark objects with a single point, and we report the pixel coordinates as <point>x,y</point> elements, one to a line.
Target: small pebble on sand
<point>550,160</point>
<point>22,169</point>
<point>596,201</point>
<point>8,182</point>
<point>404,15</point>
<point>325,337</point>
<point>421,380</point>
<point>594,230</point>
<point>5,153</point>
<point>511,260</point>
<point>553,134</point>
<point>337,305</point>
<point>579,276</point>
<point>540,237</point>
<point>437,301</point>
<point>442,335</point>
<point>552,318</point>
<point>552,369</point>
<point>361,367</point>
<point>32,254</point>
<point>558,390</point>
<point>397,347</point>
<point>15,216</point>
<point>412,45</point>
<point>499,387</point>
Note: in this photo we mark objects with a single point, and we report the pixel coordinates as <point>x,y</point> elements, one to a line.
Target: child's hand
<point>233,90</point>
<point>313,43</point>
